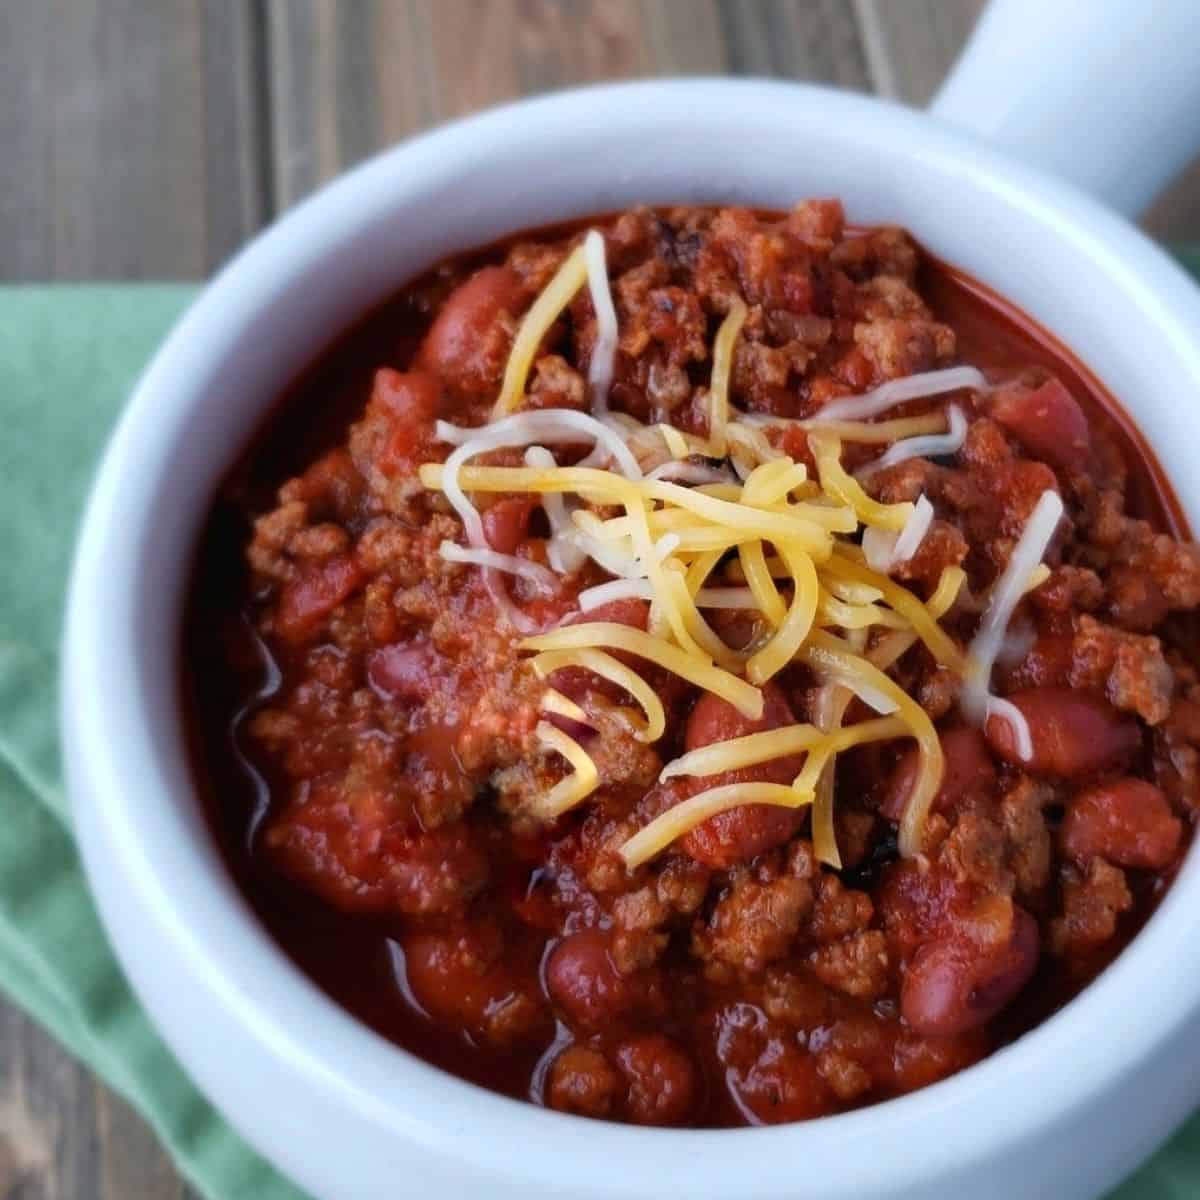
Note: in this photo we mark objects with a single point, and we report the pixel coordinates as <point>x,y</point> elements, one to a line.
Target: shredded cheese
<point>614,671</point>
<point>897,391</point>
<point>577,786</point>
<point>843,486</point>
<point>748,700</point>
<point>832,658</point>
<point>652,839</point>
<point>600,369</point>
<point>1008,712</point>
<point>553,701</point>
<point>688,472</point>
<point>885,550</point>
<point>546,309</point>
<point>1006,593</point>
<point>541,577</point>
<point>754,748</point>
<point>749,532</point>
<point>563,551</point>
<point>718,393</point>
<point>866,433</point>
<point>928,446</point>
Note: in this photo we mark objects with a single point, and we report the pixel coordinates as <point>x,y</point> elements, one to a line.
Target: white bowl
<point>1063,1112</point>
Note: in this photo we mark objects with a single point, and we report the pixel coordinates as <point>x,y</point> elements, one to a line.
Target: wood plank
<point>349,79</point>
<point>132,1165</point>
<point>911,44</point>
<point>814,40</point>
<point>48,1145</point>
<point>136,136</point>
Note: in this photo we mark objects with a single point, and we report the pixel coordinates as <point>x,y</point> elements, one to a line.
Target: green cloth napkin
<point>68,358</point>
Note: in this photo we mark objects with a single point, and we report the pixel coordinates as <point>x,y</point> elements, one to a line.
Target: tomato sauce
<point>736,980</point>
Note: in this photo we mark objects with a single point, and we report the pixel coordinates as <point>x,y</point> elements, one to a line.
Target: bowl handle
<point>1105,93</point>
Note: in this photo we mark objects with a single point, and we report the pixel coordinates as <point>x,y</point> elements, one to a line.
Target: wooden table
<point>150,138</point>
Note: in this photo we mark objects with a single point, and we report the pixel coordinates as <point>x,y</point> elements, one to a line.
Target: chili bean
<point>783,1085</point>
<point>740,834</point>
<point>1127,821</point>
<point>1048,663</point>
<point>660,1077</point>
<point>634,613</point>
<point>463,979</point>
<point>460,345</point>
<point>954,984</point>
<point>577,682</point>
<point>506,523</point>
<point>314,594</point>
<point>1048,422</point>
<point>1073,733</point>
<point>969,772</point>
<point>410,400</point>
<point>583,980</point>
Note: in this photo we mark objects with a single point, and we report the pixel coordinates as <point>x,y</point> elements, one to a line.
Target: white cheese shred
<point>930,445</point>
<point>1007,711</point>
<point>885,549</point>
<point>897,391</point>
<point>914,531</point>
<point>541,577</point>
<point>689,472</point>
<point>604,351</point>
<point>1026,557</point>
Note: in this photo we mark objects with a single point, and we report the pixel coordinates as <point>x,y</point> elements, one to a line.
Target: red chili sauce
<point>362,720</point>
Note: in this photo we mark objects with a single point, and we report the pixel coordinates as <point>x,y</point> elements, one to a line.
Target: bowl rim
<point>109,748</point>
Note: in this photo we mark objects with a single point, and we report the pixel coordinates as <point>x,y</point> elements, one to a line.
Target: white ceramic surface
<point>1062,1113</point>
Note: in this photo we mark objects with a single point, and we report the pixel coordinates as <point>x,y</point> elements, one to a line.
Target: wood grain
<point>134,136</point>
<point>150,138</point>
<point>911,44</point>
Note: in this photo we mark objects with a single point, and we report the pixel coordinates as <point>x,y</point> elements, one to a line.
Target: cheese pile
<point>727,522</point>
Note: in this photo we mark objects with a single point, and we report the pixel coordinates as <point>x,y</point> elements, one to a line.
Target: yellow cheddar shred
<point>547,308</point>
<point>748,700</point>
<point>843,486</point>
<point>577,786</point>
<point>752,533</point>
<point>718,392</point>
<point>615,671</point>
<point>652,839</point>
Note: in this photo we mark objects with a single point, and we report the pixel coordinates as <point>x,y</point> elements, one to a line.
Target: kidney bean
<point>634,613</point>
<point>410,400</point>
<point>304,602</point>
<point>1127,821</point>
<point>1048,663</point>
<point>1048,422</point>
<point>660,1077</point>
<point>463,979</point>
<point>782,1085</point>
<point>955,984</point>
<point>741,833</point>
<point>460,345</point>
<point>1073,733</point>
<point>506,523</point>
<point>969,772</point>
<point>576,682</point>
<point>583,980</point>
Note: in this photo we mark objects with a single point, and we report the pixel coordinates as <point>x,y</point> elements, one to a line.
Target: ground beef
<point>381,696</point>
